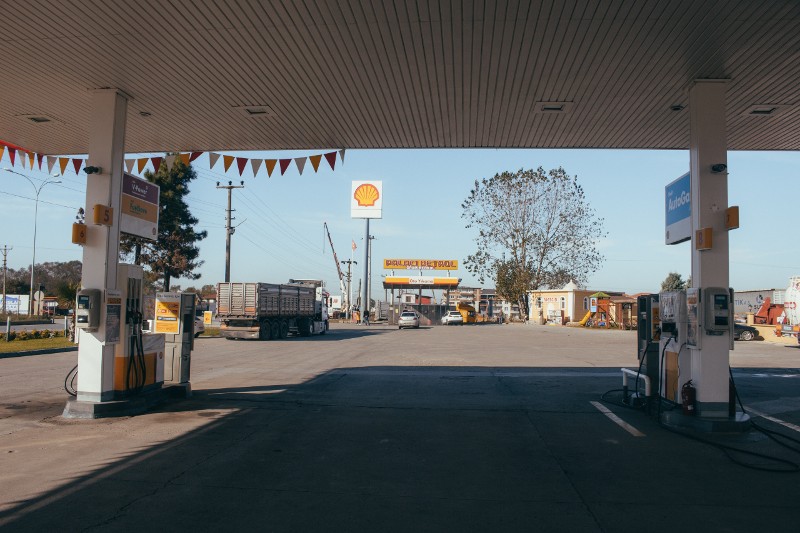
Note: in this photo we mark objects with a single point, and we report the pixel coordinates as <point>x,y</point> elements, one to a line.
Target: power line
<point>42,201</point>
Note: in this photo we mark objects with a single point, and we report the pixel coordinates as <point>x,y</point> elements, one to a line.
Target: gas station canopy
<point>420,282</point>
<point>410,73</point>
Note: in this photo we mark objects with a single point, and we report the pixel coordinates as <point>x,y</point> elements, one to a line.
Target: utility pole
<point>229,230</point>
<point>6,249</point>
<point>369,270</point>
<point>349,262</point>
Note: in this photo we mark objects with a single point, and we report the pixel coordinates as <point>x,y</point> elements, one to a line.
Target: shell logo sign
<point>366,199</point>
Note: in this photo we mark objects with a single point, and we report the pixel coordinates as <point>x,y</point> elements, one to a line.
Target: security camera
<point>93,170</point>
<point>719,167</point>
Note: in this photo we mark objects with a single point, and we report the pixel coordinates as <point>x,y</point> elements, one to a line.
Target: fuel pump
<point>174,317</point>
<point>674,356</point>
<point>649,333</point>
<point>138,357</point>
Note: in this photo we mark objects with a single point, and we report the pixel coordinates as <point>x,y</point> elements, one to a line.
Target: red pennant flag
<point>156,162</point>
<point>12,154</point>
<point>241,162</point>
<point>40,157</point>
<point>331,158</point>
<point>284,164</point>
<point>194,156</point>
<point>76,164</point>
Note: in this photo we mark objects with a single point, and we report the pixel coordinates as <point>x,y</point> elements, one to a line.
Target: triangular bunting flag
<point>156,162</point>
<point>50,162</point>
<point>40,157</point>
<point>331,158</point>
<point>341,155</point>
<point>195,155</point>
<point>301,163</point>
<point>141,163</point>
<point>270,166</point>
<point>315,159</point>
<point>30,158</point>
<point>62,164</point>
<point>284,164</point>
<point>241,162</point>
<point>12,154</point>
<point>227,161</point>
<point>170,159</point>
<point>256,164</point>
<point>22,160</point>
<point>212,159</point>
<point>185,159</point>
<point>129,165</point>
<point>76,164</point>
<point>2,150</point>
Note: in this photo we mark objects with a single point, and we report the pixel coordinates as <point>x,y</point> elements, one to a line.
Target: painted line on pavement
<point>617,420</point>
<point>773,419</point>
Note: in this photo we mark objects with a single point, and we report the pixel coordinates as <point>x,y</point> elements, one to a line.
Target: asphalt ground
<point>473,428</point>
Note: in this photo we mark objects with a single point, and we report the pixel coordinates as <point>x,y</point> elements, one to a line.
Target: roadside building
<point>559,306</point>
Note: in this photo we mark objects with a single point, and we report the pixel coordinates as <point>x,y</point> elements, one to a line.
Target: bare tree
<point>535,230</point>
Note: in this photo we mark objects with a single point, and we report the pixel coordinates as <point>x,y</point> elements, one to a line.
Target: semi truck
<point>267,311</point>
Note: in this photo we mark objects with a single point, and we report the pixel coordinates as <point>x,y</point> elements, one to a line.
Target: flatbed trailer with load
<point>271,311</point>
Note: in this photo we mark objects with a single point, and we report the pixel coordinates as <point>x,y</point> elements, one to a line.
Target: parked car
<point>199,326</point>
<point>408,319</point>
<point>742,332</point>
<point>452,317</point>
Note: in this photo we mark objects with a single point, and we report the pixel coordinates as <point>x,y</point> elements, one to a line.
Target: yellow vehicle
<point>467,312</point>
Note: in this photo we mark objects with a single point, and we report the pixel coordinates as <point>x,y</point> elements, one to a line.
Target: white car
<point>199,326</point>
<point>408,319</point>
<point>453,317</point>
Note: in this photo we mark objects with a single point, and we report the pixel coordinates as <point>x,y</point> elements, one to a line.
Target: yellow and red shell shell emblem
<point>366,195</point>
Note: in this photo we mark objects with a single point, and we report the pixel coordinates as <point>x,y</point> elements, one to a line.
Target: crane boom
<point>336,260</point>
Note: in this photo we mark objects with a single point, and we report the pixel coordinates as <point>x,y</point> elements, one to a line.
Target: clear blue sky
<point>281,233</point>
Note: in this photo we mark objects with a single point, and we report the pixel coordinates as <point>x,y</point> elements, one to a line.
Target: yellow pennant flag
<point>315,159</point>
<point>62,164</point>
<point>141,163</point>
<point>185,159</point>
<point>227,160</point>
<point>270,166</point>
<point>2,150</point>
<point>30,158</point>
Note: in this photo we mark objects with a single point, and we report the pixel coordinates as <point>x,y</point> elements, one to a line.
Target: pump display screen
<point>83,302</point>
<point>720,310</point>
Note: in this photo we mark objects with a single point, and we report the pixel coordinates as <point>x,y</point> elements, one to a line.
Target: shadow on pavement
<point>418,449</point>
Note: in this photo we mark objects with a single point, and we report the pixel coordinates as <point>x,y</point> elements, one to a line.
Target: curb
<point>38,352</point>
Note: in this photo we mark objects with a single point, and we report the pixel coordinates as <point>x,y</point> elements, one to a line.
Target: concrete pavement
<point>478,428</point>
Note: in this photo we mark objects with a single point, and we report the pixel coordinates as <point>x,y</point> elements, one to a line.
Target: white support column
<point>710,268</point>
<point>101,251</point>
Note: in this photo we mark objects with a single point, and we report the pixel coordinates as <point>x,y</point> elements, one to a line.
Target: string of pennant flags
<point>30,159</point>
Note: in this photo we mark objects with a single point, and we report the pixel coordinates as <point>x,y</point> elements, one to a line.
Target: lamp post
<point>38,190</point>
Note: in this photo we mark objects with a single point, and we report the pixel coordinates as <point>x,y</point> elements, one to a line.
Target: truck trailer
<point>272,311</point>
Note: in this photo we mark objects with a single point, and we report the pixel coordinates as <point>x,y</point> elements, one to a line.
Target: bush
<point>56,333</point>
<point>2,336</point>
<point>45,334</point>
<point>22,336</point>
<point>34,334</point>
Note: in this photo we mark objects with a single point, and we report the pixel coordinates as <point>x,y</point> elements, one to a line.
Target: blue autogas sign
<point>678,209</point>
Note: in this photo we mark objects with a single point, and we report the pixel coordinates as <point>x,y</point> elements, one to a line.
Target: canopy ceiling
<point>239,74</point>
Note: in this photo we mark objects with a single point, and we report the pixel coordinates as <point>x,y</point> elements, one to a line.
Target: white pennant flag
<point>129,165</point>
<point>170,159</point>
<point>256,163</point>
<point>341,154</point>
<point>51,161</point>
<point>212,159</point>
<point>300,162</point>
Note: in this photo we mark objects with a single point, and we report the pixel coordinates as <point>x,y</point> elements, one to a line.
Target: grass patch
<point>34,344</point>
